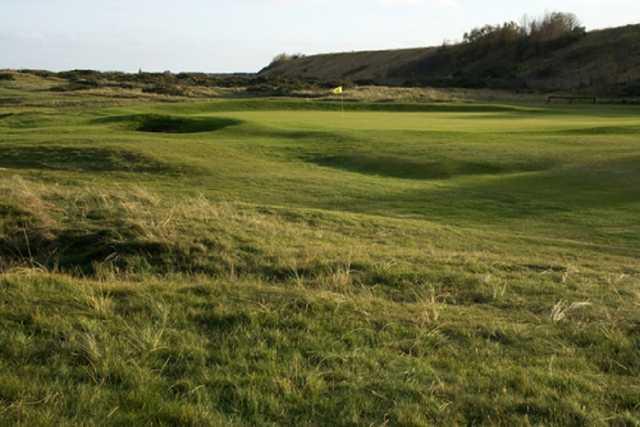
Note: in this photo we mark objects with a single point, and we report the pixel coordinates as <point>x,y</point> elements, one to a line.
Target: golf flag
<point>337,91</point>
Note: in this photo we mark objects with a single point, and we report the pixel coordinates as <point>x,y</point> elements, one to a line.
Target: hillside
<point>602,61</point>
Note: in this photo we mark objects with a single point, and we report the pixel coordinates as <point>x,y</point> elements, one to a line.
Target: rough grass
<point>283,263</point>
<point>387,94</point>
<point>209,352</point>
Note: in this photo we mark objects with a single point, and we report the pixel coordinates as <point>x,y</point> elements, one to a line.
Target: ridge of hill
<point>600,61</point>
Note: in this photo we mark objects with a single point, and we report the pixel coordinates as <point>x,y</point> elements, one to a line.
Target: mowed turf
<point>270,262</point>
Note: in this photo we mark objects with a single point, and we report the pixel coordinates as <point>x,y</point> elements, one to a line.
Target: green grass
<point>269,262</point>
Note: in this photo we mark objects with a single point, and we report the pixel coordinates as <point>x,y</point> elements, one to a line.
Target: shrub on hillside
<point>631,88</point>
<point>39,73</point>
<point>166,89</point>
<point>285,57</point>
<point>282,86</point>
<point>504,34</point>
<point>371,82</point>
<point>554,26</point>
<point>80,75</point>
<point>73,86</point>
<point>551,27</point>
<point>7,77</point>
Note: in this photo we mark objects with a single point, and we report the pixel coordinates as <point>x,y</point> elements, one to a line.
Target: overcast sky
<point>243,35</point>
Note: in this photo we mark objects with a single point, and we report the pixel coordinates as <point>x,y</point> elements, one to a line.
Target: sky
<point>244,35</point>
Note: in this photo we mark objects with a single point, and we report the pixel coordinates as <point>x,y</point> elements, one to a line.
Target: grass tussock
<point>202,352</point>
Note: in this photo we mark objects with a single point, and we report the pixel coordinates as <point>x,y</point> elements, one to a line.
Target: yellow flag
<point>337,91</point>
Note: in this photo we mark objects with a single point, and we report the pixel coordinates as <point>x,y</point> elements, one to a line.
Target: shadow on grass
<point>170,124</point>
<point>578,195</point>
<point>27,120</point>
<point>418,169</point>
<point>11,101</point>
<point>81,159</point>
<point>603,130</point>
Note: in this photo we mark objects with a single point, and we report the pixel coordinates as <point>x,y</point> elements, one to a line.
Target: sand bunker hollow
<point>172,124</point>
<point>421,169</point>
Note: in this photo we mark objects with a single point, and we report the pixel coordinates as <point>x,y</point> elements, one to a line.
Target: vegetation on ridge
<point>552,53</point>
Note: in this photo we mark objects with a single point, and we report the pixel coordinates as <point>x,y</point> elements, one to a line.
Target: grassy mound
<point>89,231</point>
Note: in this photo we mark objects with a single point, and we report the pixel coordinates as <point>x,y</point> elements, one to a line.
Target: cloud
<point>432,3</point>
